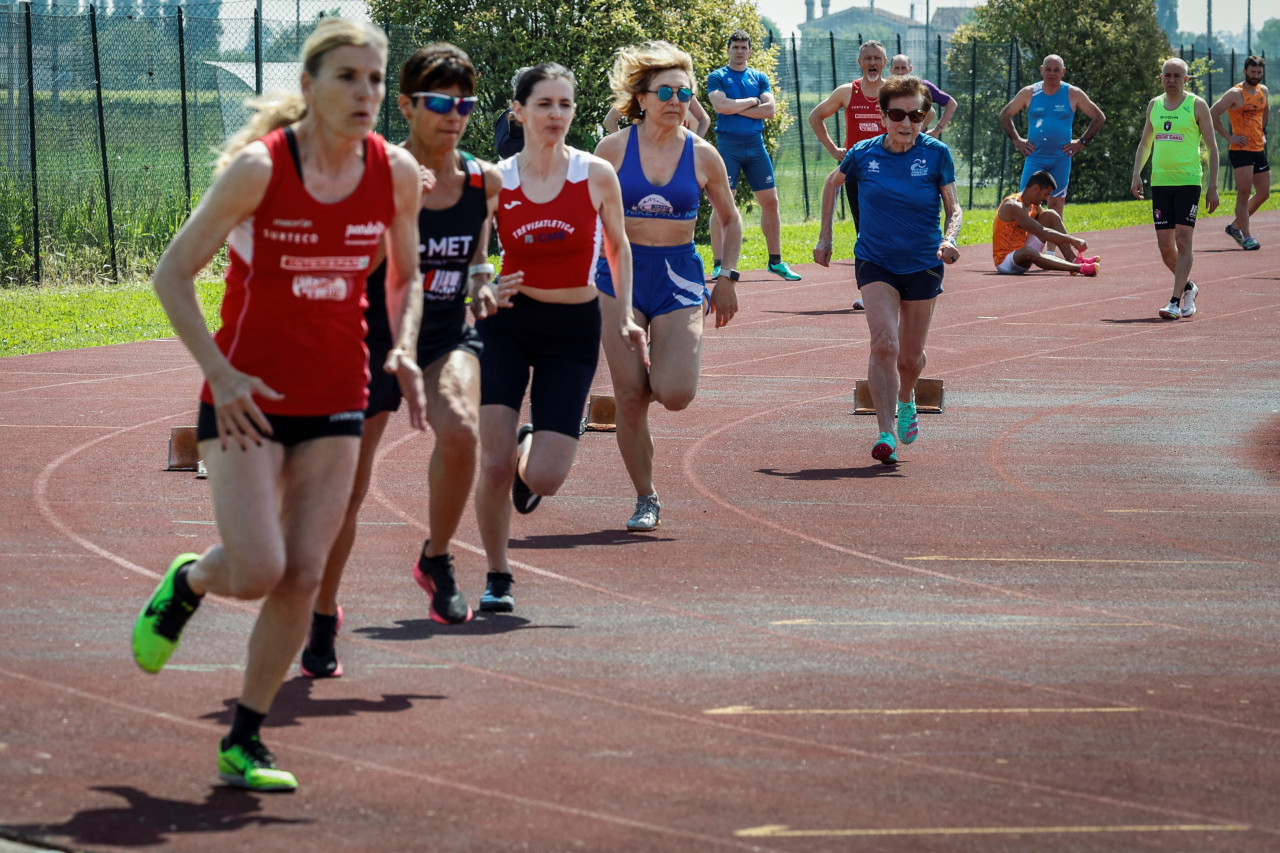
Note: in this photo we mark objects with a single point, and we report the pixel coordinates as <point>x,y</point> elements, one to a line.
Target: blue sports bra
<point>678,199</point>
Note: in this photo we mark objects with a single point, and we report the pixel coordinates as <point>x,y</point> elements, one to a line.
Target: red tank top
<point>557,243</point>
<point>861,117</point>
<point>293,313</point>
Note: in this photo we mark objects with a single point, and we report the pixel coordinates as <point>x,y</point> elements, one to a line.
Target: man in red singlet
<point>860,102</point>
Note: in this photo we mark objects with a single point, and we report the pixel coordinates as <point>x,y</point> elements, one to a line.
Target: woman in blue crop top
<point>663,169</point>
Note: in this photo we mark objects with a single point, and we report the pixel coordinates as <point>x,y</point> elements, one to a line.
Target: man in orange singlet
<point>1246,104</point>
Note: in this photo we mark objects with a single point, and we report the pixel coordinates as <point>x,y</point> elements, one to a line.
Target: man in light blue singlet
<point>1051,109</point>
<point>742,100</point>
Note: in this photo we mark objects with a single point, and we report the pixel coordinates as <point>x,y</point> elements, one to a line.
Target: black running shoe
<point>521,495</point>
<point>435,575</point>
<point>497,596</point>
<point>319,658</point>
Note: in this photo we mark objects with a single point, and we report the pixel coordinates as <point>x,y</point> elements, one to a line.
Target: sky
<point>1228,15</point>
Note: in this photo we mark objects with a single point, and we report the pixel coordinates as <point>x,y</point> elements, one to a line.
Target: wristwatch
<point>732,275</point>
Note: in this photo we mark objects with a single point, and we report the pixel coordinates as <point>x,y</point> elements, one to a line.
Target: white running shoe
<point>1189,294</point>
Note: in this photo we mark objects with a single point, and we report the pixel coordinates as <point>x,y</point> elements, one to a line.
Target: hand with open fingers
<point>636,338</point>
<point>409,378</point>
<point>239,417</point>
<point>724,301</point>
<point>822,253</point>
<point>506,286</point>
<point>428,178</point>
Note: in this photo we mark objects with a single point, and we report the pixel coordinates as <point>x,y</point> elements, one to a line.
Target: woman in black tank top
<point>437,86</point>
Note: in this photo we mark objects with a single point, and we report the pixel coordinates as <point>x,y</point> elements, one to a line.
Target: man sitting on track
<point>1023,227</point>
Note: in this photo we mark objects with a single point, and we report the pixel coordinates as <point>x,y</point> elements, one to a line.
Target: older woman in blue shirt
<point>908,179</point>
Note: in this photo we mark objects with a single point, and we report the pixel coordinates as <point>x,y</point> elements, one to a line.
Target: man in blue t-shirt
<point>742,101</point>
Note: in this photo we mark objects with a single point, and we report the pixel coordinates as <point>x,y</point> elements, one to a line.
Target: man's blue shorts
<point>1058,165</point>
<point>663,279</point>
<point>746,152</point>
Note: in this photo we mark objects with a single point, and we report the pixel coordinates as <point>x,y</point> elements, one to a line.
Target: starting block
<point>602,414</point>
<point>184,452</point>
<point>930,396</point>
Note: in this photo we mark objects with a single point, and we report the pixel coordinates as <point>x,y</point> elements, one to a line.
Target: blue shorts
<point>741,152</point>
<point>1058,165</point>
<point>911,286</point>
<point>558,344</point>
<point>663,279</point>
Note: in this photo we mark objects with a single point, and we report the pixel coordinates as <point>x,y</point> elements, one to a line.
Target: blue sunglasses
<point>664,93</point>
<point>442,104</point>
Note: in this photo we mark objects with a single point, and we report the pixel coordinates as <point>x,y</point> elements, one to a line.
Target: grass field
<point>42,319</point>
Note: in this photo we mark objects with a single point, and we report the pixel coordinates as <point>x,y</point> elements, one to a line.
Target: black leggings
<point>559,344</point>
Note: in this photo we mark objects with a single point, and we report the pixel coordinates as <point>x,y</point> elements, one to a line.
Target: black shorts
<point>289,429</point>
<point>1256,159</point>
<point>1172,206</point>
<point>439,336</point>
<point>911,287</point>
<point>560,344</point>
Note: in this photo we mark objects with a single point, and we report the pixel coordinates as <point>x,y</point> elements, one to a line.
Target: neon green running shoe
<point>908,422</point>
<point>252,766</point>
<point>160,624</point>
<point>781,268</point>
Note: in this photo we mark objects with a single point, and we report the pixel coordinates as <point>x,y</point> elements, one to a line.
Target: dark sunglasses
<point>664,93</point>
<point>442,104</point>
<point>916,116</point>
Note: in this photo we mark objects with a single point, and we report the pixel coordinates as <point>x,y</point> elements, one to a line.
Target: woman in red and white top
<point>305,195</point>
<point>555,206</point>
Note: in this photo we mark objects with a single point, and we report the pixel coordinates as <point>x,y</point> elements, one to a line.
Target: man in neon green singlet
<point>1177,122</point>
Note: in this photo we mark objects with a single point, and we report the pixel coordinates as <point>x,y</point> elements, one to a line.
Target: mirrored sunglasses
<point>664,93</point>
<point>442,104</point>
<point>916,116</point>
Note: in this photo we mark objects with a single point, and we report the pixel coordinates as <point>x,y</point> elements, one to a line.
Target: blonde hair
<point>277,109</point>
<point>634,68</point>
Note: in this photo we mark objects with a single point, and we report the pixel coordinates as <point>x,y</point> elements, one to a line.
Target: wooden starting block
<point>184,451</point>
<point>930,396</point>
<point>602,414</point>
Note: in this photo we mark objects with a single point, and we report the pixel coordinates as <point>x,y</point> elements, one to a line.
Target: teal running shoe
<point>159,626</point>
<point>908,423</point>
<point>1250,244</point>
<point>715,272</point>
<point>1235,234</point>
<point>781,268</point>
<point>251,766</point>
<point>885,449</point>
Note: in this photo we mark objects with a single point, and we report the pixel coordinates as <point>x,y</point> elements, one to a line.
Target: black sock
<point>183,589</point>
<point>774,260</point>
<point>244,725</point>
<point>716,262</point>
<point>323,628</point>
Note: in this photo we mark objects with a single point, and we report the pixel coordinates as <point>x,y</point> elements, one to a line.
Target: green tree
<point>1112,50</point>
<point>501,36</point>
<point>1267,40</point>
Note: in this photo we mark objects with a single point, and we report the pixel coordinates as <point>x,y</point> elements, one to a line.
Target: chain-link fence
<point>111,123</point>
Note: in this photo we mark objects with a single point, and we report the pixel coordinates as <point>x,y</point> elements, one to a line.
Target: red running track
<point>1053,627</point>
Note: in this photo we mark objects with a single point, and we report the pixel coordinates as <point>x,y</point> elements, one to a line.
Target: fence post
<point>1209,75</point>
<point>835,83</point>
<point>898,36</point>
<point>386,113</point>
<point>973,110</point>
<point>257,51</point>
<point>804,165</point>
<point>31,126</point>
<point>941,82</point>
<point>102,142</point>
<point>182,83</point>
<point>1008,94</point>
